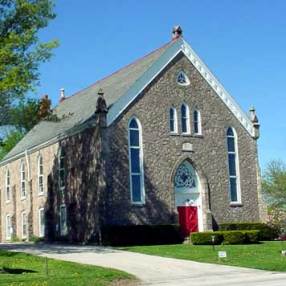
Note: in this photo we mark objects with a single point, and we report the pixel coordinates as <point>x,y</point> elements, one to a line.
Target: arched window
<point>136,161</point>
<point>23,179</point>
<point>233,166</point>
<point>197,122</point>
<point>8,186</point>
<point>182,79</point>
<point>173,120</point>
<point>62,169</point>
<point>185,119</point>
<point>40,175</point>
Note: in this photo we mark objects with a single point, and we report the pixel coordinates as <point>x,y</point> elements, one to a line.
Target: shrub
<point>234,237</point>
<point>251,236</point>
<point>141,234</point>
<point>36,239</point>
<point>225,237</point>
<point>205,238</point>
<point>266,232</point>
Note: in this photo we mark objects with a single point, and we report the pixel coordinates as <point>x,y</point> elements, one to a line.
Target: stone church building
<point>160,141</point>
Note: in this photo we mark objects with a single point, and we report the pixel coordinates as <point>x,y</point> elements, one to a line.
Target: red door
<point>188,219</point>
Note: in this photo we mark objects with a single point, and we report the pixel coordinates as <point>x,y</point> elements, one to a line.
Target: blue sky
<point>243,42</point>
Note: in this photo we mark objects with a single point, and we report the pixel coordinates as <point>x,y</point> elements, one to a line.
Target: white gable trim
<point>179,46</point>
<point>218,88</point>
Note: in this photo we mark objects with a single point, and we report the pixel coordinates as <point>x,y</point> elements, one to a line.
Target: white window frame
<point>60,158</point>
<point>63,225</point>
<point>41,188</point>
<point>41,223</point>
<point>141,163</point>
<point>8,185</point>
<point>175,119</point>
<point>24,224</point>
<point>8,227</point>
<point>187,118</point>
<point>198,122</point>
<point>23,191</point>
<point>237,171</point>
<point>186,78</point>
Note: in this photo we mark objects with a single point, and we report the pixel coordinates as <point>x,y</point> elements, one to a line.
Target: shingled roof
<point>78,108</point>
<point>120,89</point>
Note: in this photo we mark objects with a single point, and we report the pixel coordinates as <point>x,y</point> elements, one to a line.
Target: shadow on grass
<point>7,270</point>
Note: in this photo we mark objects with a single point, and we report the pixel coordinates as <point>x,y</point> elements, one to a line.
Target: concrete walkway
<point>155,270</point>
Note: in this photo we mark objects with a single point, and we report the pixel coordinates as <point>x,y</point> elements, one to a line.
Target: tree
<point>9,142</point>
<point>274,189</point>
<point>21,51</point>
<point>24,116</point>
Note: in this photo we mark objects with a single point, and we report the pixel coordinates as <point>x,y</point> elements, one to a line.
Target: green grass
<point>59,272</point>
<point>266,255</point>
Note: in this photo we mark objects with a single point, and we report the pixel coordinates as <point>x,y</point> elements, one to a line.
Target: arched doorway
<point>188,200</point>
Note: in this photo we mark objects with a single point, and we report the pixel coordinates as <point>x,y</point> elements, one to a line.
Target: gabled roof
<point>120,89</point>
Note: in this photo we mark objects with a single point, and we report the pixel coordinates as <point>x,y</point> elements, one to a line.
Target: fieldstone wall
<point>97,191</point>
<point>163,151</point>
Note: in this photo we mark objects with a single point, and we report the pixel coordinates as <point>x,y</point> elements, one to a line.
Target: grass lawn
<point>265,256</point>
<point>19,269</point>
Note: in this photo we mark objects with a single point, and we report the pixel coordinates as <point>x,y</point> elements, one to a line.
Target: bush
<point>266,232</point>
<point>251,236</point>
<point>36,239</point>
<point>205,238</point>
<point>225,237</point>
<point>234,237</point>
<point>141,235</point>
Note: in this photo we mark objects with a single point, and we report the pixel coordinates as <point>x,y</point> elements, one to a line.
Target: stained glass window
<point>185,176</point>
<point>182,78</point>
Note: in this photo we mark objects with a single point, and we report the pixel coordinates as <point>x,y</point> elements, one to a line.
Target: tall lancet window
<point>197,122</point>
<point>185,119</point>
<point>136,161</point>
<point>173,120</point>
<point>62,169</point>
<point>40,175</point>
<point>23,179</point>
<point>233,166</point>
<point>8,185</point>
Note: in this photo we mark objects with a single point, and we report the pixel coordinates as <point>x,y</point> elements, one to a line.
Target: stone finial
<point>255,122</point>
<point>62,95</point>
<point>177,32</point>
<point>101,106</point>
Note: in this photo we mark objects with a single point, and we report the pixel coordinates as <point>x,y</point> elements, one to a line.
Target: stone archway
<point>190,188</point>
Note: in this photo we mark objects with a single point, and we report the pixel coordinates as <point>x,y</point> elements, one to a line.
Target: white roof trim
<point>218,88</point>
<point>159,65</point>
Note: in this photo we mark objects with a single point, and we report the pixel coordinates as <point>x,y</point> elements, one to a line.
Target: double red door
<point>188,219</point>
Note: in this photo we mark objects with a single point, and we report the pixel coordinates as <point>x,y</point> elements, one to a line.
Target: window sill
<point>186,134</point>
<point>236,204</point>
<point>23,198</point>
<point>138,204</point>
<point>174,134</point>
<point>198,135</point>
<point>41,194</point>
<point>8,202</point>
